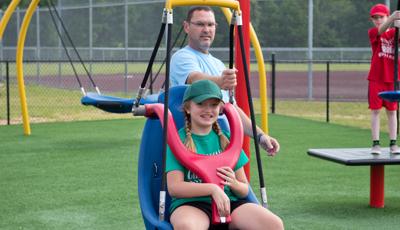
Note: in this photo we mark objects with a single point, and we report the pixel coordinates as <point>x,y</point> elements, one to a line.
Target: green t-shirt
<point>207,145</point>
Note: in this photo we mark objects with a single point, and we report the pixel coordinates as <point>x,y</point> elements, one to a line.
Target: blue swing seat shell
<point>115,104</point>
<point>150,163</point>
<point>392,96</point>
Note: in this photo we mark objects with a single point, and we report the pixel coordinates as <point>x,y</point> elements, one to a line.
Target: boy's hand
<point>396,15</point>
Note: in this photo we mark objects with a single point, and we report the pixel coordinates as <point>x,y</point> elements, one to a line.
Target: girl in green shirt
<point>191,199</point>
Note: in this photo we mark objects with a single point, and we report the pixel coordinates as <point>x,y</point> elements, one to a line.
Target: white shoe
<point>394,149</point>
<point>376,150</point>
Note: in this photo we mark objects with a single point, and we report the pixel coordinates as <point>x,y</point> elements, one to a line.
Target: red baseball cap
<point>379,9</point>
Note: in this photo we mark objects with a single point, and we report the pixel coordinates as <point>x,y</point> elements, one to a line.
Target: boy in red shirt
<point>381,74</point>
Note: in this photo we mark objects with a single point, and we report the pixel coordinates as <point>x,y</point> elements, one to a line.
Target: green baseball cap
<point>202,90</point>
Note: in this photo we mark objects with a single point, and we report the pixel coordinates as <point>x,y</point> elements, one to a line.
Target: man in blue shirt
<point>194,62</point>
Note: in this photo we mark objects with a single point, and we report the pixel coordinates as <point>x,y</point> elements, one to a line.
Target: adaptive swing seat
<point>115,104</point>
<point>150,162</point>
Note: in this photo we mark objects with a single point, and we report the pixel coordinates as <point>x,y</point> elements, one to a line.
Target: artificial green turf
<point>82,175</point>
<point>78,175</point>
<point>310,193</point>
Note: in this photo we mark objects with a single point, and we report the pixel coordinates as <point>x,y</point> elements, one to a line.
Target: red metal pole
<point>377,186</point>
<point>241,92</point>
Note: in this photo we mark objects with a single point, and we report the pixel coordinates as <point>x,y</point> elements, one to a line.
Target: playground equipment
<point>20,54</point>
<point>395,94</point>
<point>168,20</point>
<point>119,105</point>
<point>150,159</point>
<point>96,99</point>
<point>362,157</point>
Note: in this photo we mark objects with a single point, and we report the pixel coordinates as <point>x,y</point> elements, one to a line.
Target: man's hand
<point>227,80</point>
<point>269,144</point>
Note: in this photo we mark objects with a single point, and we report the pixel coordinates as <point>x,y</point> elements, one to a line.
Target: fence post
<point>327,91</point>
<point>8,92</point>
<point>126,41</point>
<point>273,83</point>
<point>38,52</point>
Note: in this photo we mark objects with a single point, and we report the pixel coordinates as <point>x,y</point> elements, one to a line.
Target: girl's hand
<point>221,200</point>
<point>228,176</point>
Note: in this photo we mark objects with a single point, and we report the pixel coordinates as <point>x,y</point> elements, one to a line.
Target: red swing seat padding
<point>204,166</point>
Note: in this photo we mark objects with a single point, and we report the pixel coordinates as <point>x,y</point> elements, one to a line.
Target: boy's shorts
<point>374,101</point>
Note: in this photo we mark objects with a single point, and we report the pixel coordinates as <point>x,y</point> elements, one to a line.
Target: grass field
<point>83,175</point>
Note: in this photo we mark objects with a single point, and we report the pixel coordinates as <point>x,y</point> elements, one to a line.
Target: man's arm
<point>226,81</point>
<point>268,143</point>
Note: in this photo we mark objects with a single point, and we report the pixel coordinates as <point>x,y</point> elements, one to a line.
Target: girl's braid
<point>223,140</point>
<point>189,143</point>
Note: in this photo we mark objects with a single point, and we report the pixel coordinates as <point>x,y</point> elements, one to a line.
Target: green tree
<point>341,23</point>
<point>281,23</point>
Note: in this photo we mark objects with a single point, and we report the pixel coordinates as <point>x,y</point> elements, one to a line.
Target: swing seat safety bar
<point>150,169</point>
<point>204,165</point>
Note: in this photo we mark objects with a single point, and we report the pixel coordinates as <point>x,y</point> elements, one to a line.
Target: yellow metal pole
<point>232,4</point>
<point>7,15</point>
<point>20,70</point>
<point>263,79</point>
<point>261,70</point>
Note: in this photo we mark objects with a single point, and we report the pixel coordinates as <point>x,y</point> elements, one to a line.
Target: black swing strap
<point>71,42</point>
<point>252,116</point>
<point>231,44</point>
<point>396,54</point>
<point>67,53</point>
<point>396,67</point>
<point>152,58</point>
<point>173,45</point>
<point>165,119</point>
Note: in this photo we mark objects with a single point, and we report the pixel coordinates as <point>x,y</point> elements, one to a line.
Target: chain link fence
<point>53,92</point>
<point>116,45</point>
